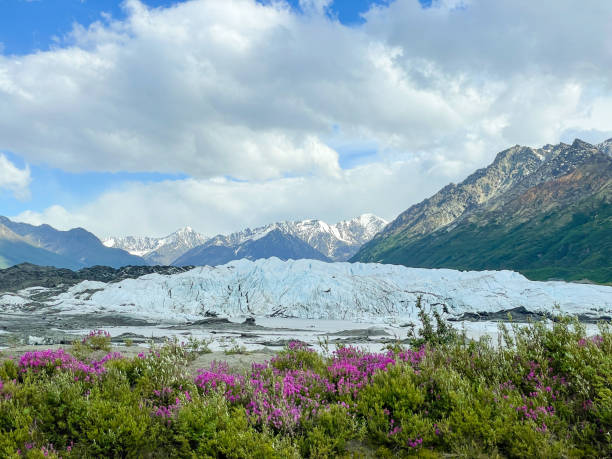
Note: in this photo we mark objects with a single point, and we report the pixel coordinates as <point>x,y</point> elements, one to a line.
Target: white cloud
<point>13,179</point>
<point>238,88</point>
<point>258,92</point>
<point>317,7</point>
<point>221,205</point>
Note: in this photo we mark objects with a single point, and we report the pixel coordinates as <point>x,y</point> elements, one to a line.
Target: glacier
<point>309,289</point>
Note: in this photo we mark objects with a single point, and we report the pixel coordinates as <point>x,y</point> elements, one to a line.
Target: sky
<point>140,117</point>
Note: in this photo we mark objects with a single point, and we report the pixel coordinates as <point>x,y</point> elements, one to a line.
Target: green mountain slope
<point>558,226</point>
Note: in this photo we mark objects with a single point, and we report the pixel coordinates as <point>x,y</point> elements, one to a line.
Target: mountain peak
<point>159,250</point>
<point>606,147</point>
<point>336,242</point>
<point>186,231</point>
<point>578,143</point>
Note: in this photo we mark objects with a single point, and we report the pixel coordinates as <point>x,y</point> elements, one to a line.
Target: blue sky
<point>30,25</point>
<point>222,114</point>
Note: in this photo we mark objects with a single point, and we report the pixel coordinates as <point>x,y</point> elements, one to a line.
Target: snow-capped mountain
<point>322,242</point>
<point>333,242</point>
<point>274,243</point>
<point>159,251</point>
<point>312,289</point>
<point>341,241</point>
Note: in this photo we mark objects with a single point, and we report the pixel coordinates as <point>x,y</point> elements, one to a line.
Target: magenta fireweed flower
<point>299,346</point>
<point>217,374</point>
<point>283,398</point>
<point>59,360</point>
<point>95,333</point>
<point>416,443</point>
<point>543,428</point>
<point>166,402</point>
<point>596,340</point>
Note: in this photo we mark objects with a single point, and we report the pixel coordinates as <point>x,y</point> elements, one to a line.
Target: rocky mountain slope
<point>340,241</point>
<point>545,212</point>
<point>319,241</point>
<point>159,251</point>
<point>313,289</point>
<point>606,147</point>
<point>44,244</point>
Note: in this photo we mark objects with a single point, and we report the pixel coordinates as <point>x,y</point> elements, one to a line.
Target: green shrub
<point>544,391</point>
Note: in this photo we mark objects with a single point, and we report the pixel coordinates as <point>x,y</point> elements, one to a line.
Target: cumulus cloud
<point>13,179</point>
<point>259,92</point>
<point>211,87</point>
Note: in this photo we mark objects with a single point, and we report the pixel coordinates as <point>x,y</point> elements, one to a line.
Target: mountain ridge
<point>336,242</point>
<point>273,243</point>
<point>524,225</point>
<point>74,248</point>
<point>162,250</point>
<point>328,242</point>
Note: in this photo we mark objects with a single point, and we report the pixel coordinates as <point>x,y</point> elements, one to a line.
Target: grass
<point>544,390</point>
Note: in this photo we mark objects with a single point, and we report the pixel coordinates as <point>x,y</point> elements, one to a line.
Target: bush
<point>543,391</point>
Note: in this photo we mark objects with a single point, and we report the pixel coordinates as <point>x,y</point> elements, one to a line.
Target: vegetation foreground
<point>541,391</point>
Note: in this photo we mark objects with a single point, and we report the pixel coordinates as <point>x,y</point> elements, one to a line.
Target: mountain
<point>44,244</point>
<point>311,289</point>
<point>273,243</point>
<point>338,242</point>
<point>313,239</point>
<point>606,147</point>
<point>15,249</point>
<point>159,251</point>
<point>544,212</point>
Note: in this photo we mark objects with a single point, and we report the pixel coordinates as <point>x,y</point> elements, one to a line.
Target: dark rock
<point>372,331</point>
<point>518,314</point>
<point>248,335</point>
<point>132,336</point>
<point>27,275</point>
<point>212,321</point>
<point>249,321</point>
<point>281,342</point>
